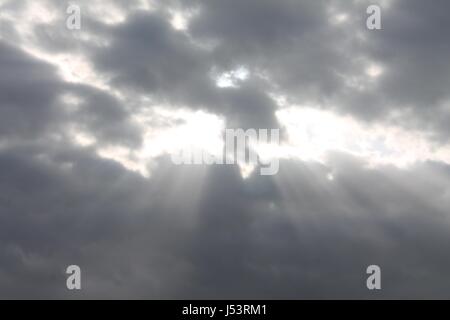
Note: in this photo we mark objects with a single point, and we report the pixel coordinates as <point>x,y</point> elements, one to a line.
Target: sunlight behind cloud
<point>374,71</point>
<point>188,128</point>
<point>231,79</point>
<point>312,133</point>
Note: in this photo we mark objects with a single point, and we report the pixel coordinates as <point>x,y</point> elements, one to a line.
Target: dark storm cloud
<point>148,56</point>
<point>103,116</point>
<point>28,89</point>
<point>310,59</point>
<point>293,42</point>
<point>415,45</point>
<point>31,105</point>
<point>204,232</point>
<point>238,239</point>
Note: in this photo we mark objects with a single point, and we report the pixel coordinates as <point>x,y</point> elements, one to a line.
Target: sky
<point>90,118</point>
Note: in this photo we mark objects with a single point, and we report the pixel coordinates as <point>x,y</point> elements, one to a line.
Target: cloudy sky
<point>90,118</point>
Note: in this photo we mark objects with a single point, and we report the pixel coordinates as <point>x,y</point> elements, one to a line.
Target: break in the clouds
<point>90,118</point>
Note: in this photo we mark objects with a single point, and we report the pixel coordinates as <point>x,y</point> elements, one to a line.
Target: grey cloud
<point>31,93</point>
<point>28,89</point>
<point>237,239</point>
<point>414,45</point>
<point>103,116</point>
<point>205,232</point>
<point>166,65</point>
<point>310,59</point>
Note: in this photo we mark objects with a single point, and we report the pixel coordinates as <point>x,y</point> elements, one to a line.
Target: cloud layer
<point>89,118</point>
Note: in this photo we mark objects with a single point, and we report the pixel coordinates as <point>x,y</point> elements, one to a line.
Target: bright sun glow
<point>374,71</point>
<point>311,135</point>
<point>231,79</point>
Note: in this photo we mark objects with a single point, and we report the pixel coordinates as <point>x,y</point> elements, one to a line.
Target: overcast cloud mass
<point>89,119</point>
